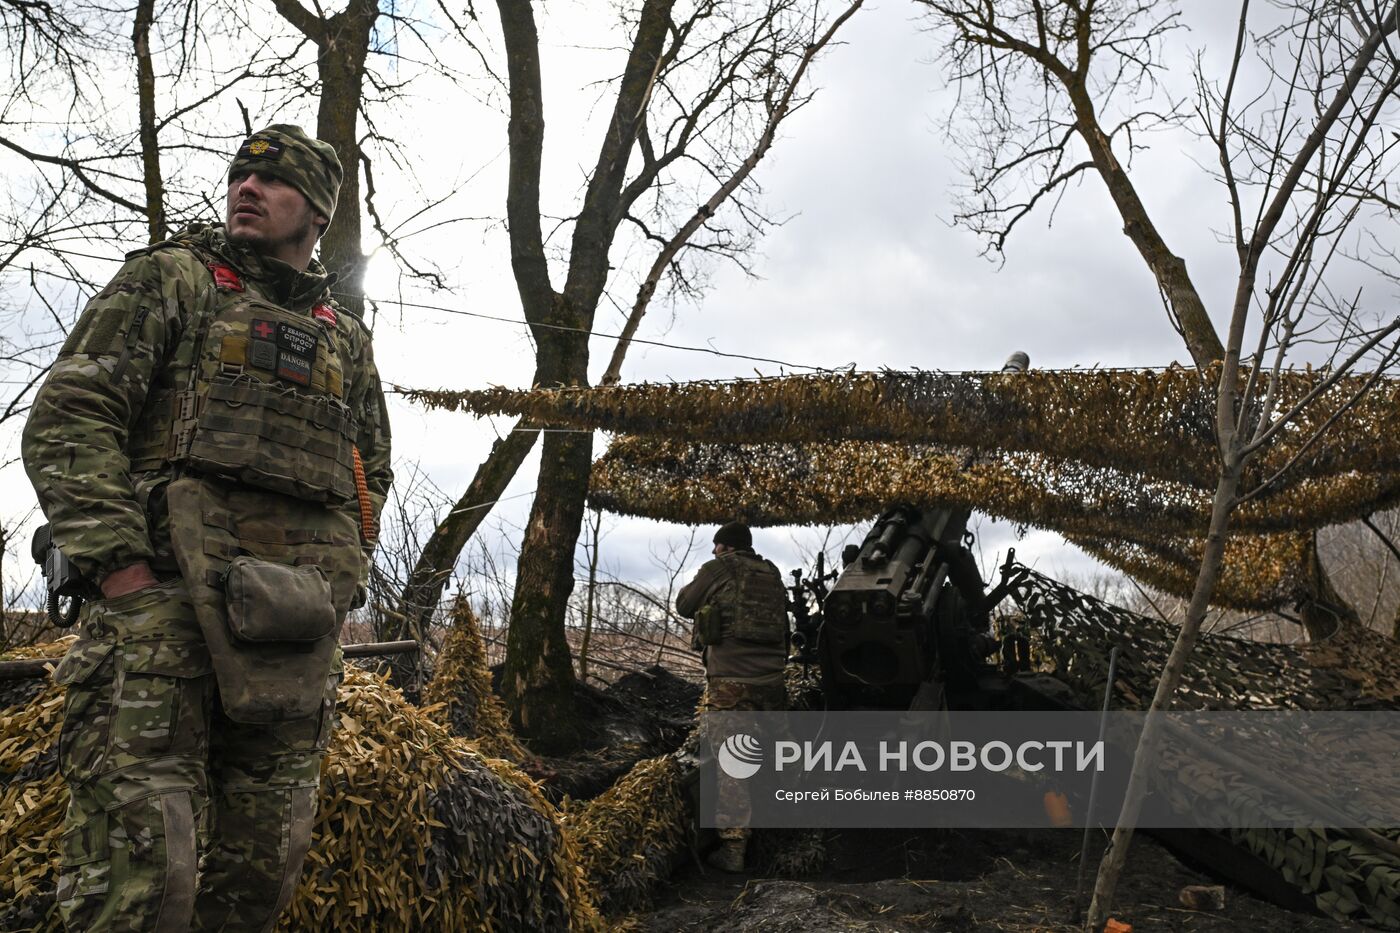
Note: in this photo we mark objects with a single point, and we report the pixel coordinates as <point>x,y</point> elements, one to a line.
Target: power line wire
<point>593,333</point>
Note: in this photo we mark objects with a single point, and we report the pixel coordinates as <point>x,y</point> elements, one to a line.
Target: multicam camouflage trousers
<point>723,695</point>
<point>178,817</point>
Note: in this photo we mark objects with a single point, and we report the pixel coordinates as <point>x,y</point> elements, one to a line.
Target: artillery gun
<point>905,625</point>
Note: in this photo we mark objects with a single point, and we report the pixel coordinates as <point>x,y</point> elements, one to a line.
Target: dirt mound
<point>658,691</point>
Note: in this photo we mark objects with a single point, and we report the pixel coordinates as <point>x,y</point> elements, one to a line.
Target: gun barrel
<point>1018,362</point>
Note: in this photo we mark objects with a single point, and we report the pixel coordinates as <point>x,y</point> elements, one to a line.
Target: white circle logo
<point>740,756</point>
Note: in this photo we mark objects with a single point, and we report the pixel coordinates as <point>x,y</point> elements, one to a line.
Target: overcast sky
<point>868,270</point>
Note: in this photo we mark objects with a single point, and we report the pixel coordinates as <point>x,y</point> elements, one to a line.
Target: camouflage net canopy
<point>1348,875</point>
<point>1123,463</point>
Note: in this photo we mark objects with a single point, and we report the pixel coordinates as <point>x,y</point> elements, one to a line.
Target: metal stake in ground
<point>1094,789</point>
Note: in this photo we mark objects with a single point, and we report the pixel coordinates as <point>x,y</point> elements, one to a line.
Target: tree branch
<point>76,168</point>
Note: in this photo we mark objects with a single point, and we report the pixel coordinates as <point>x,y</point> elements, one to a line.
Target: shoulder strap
<point>186,409</point>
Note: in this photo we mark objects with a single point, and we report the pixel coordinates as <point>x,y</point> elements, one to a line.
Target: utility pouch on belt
<point>273,602</point>
<point>271,578</point>
<point>709,625</point>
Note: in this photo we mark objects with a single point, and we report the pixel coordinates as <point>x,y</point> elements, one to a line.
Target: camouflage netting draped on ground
<point>1075,632</point>
<point>1346,873</point>
<point>415,829</point>
<point>459,695</point>
<point>630,835</point>
<point>1121,462</point>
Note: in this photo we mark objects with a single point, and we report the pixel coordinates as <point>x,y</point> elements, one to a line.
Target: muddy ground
<point>948,880</point>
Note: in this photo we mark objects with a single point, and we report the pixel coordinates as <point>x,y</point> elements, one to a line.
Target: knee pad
<point>135,864</point>
<point>301,813</point>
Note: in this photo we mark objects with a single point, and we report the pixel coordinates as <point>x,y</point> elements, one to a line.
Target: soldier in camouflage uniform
<point>211,449</point>
<point>739,606</point>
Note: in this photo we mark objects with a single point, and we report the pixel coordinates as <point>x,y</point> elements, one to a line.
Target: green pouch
<point>709,625</point>
<point>269,602</point>
<point>275,439</point>
<point>261,681</point>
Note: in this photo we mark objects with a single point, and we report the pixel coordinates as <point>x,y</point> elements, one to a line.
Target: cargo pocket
<point>83,741</point>
<point>85,869</point>
<point>161,700</point>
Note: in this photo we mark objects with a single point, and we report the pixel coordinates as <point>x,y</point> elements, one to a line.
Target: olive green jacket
<point>733,658</point>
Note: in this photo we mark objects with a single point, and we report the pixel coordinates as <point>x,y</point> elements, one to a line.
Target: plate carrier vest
<point>253,393</point>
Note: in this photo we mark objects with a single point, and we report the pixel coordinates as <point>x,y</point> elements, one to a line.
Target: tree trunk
<point>146,108</point>
<point>423,590</point>
<point>1143,760</point>
<point>1322,608</point>
<point>342,46</point>
<point>538,680</point>
<point>341,65</point>
<point>591,606</point>
<point>1187,308</point>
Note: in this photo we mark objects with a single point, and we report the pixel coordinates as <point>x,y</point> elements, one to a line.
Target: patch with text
<point>293,368</point>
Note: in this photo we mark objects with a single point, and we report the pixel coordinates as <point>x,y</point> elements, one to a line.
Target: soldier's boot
<point>729,857</point>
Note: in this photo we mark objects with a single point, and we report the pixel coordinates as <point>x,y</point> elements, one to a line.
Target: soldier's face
<point>270,215</point>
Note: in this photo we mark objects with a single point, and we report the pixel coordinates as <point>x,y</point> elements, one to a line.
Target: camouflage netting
<point>1139,526</point>
<point>1121,462</point>
<point>459,695</point>
<point>1157,423</point>
<point>416,830</point>
<point>630,835</point>
<point>1346,873</point>
<point>1350,670</point>
<point>21,690</point>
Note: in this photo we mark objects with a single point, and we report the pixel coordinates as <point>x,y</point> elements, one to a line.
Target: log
<point>38,667</point>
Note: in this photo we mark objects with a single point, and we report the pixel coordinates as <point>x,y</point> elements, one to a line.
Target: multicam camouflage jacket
<point>103,438</point>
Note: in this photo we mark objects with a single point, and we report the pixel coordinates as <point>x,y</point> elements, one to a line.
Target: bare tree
<point>342,47</point>
<point>703,86</point>
<point>662,220</point>
<point>1303,163</point>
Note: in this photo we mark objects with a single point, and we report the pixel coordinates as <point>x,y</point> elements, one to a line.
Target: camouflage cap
<point>285,151</point>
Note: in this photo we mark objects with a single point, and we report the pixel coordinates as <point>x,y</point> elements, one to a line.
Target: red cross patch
<point>225,277</point>
<point>263,329</point>
<point>324,313</point>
